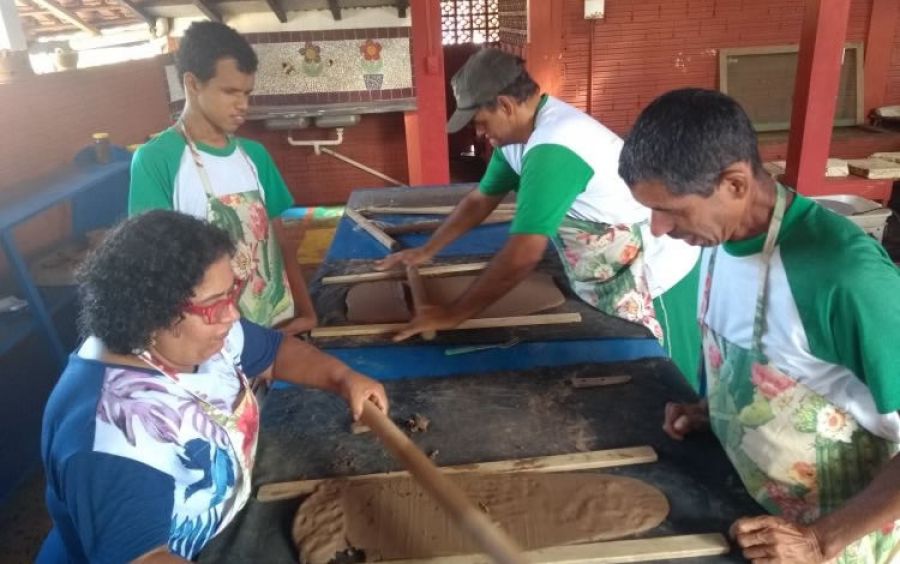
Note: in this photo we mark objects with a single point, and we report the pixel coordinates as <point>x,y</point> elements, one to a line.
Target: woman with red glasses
<point>150,434</point>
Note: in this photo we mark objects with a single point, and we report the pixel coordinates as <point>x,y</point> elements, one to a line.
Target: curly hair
<point>205,43</point>
<point>685,139</point>
<point>139,279</point>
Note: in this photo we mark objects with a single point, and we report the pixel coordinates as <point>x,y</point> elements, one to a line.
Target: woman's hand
<point>357,389</point>
<point>684,418</point>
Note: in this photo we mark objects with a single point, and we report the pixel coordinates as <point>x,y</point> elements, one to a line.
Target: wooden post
<point>879,42</point>
<point>815,92</point>
<point>426,128</point>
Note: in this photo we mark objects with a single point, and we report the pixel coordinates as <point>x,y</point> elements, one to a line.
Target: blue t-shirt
<point>133,462</point>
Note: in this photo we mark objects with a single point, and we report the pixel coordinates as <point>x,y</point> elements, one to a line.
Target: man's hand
<point>408,257</point>
<point>684,418</point>
<point>430,318</point>
<point>356,389</point>
<point>297,325</point>
<point>774,540</point>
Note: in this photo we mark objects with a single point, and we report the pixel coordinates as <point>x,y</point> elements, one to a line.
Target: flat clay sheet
<point>394,518</point>
<point>385,301</point>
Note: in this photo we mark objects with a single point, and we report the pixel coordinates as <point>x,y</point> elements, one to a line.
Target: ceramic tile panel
<point>329,66</point>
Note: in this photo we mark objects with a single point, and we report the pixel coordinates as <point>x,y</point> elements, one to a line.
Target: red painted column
<point>879,41</point>
<point>545,44</point>
<point>426,128</point>
<point>815,93</point>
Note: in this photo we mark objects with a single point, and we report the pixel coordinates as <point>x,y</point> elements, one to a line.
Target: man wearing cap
<point>563,166</point>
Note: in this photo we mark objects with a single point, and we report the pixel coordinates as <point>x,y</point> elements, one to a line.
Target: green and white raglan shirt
<point>163,175</point>
<point>569,166</point>
<point>833,311</point>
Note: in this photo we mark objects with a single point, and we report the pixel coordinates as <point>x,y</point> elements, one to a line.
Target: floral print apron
<point>605,267</point>
<point>266,299</point>
<point>798,455</point>
<point>239,425</point>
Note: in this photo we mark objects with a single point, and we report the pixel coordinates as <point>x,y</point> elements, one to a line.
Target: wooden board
<point>610,552</point>
<point>485,323</point>
<point>599,381</point>
<point>373,230</point>
<point>875,169</point>
<point>891,156</point>
<point>427,210</point>
<point>439,270</point>
<point>556,463</point>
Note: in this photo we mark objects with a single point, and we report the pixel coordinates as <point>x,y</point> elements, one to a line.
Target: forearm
<point>469,213</point>
<point>300,363</point>
<point>875,506</point>
<point>509,267</point>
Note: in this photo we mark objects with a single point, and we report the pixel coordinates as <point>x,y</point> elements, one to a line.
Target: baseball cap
<point>479,81</point>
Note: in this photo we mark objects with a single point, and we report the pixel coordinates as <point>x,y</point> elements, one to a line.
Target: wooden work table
<point>488,405</point>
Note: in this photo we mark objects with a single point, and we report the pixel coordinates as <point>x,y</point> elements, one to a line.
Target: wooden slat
<point>335,7</point>
<point>598,381</point>
<point>206,8</point>
<point>483,323</point>
<point>373,230</point>
<point>591,460</point>
<point>67,16</point>
<point>609,552</point>
<point>277,9</point>
<point>428,210</point>
<point>138,12</point>
<point>421,226</point>
<point>439,270</point>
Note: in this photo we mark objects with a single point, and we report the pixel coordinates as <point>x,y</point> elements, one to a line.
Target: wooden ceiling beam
<point>208,11</point>
<point>139,12</point>
<point>278,10</point>
<point>66,16</point>
<point>335,7</point>
<point>402,6</point>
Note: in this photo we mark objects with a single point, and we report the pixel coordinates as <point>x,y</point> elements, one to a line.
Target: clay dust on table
<point>394,518</point>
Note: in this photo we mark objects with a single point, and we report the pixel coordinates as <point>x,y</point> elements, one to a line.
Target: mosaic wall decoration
<point>322,67</point>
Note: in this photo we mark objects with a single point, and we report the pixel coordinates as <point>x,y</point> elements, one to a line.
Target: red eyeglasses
<point>217,311</point>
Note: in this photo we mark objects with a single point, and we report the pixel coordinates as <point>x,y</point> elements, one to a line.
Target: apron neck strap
<point>759,320</point>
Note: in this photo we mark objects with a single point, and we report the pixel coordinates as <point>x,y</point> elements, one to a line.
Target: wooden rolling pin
<point>491,539</point>
<point>419,296</point>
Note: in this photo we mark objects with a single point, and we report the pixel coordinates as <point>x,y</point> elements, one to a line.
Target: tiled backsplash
<point>326,67</point>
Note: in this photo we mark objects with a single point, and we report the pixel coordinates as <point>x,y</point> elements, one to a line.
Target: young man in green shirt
<point>201,168</point>
<point>563,166</point>
<point>800,315</point>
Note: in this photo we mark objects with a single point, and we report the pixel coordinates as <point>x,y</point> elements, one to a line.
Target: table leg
<point>35,301</point>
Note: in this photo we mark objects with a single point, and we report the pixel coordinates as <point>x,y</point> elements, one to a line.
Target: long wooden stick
<point>464,513</point>
<point>428,210</point>
<point>609,552</point>
<point>439,270</point>
<point>590,460</point>
<point>372,229</point>
<point>419,296</point>
<point>598,381</point>
<point>483,323</point>
<point>423,226</point>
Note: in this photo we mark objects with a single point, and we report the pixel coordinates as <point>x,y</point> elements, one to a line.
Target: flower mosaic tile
<point>334,66</point>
